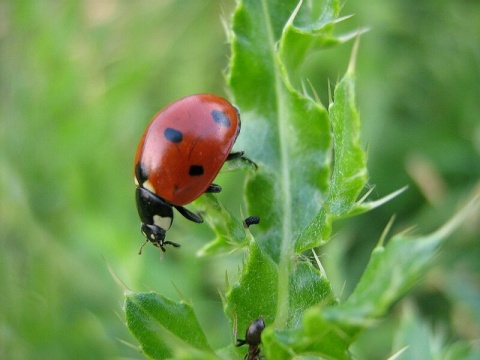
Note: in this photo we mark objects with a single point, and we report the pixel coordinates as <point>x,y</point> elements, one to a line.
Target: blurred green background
<point>79,81</point>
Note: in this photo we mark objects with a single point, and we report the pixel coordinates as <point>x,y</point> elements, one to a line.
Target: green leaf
<point>328,331</point>
<point>229,230</point>
<point>238,164</point>
<point>413,333</point>
<point>309,27</point>
<point>316,336</point>
<point>287,133</point>
<point>394,269</point>
<point>163,326</point>
<point>423,342</point>
<point>310,169</point>
<point>307,287</point>
<point>349,174</point>
<point>363,206</point>
<point>461,350</point>
<point>256,292</point>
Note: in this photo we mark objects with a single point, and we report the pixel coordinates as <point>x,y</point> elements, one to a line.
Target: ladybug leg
<point>235,155</point>
<point>214,188</point>
<point>171,243</point>
<point>239,155</point>
<point>189,215</point>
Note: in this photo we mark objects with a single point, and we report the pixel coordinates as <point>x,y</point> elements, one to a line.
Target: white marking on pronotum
<point>148,185</point>
<point>163,222</point>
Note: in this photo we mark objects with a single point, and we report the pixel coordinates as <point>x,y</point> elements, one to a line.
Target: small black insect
<point>251,220</point>
<point>253,339</point>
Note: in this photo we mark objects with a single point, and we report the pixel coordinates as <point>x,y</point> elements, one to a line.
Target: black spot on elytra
<point>173,135</point>
<point>221,118</point>
<point>141,173</point>
<point>195,170</point>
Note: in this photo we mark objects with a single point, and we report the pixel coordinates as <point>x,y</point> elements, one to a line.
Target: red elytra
<point>185,145</point>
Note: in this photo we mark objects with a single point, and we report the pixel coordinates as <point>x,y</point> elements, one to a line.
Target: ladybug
<point>253,339</point>
<point>180,153</point>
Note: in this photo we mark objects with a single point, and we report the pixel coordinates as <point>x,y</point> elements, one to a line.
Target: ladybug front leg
<point>189,215</point>
<point>235,155</point>
<point>168,242</point>
<point>242,161</point>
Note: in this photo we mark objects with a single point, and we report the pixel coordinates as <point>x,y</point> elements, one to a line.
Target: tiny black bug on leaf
<point>253,339</point>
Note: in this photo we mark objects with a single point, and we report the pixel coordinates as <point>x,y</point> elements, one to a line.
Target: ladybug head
<point>156,235</point>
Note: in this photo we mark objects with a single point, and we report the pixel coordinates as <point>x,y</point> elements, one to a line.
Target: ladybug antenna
<point>141,247</point>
